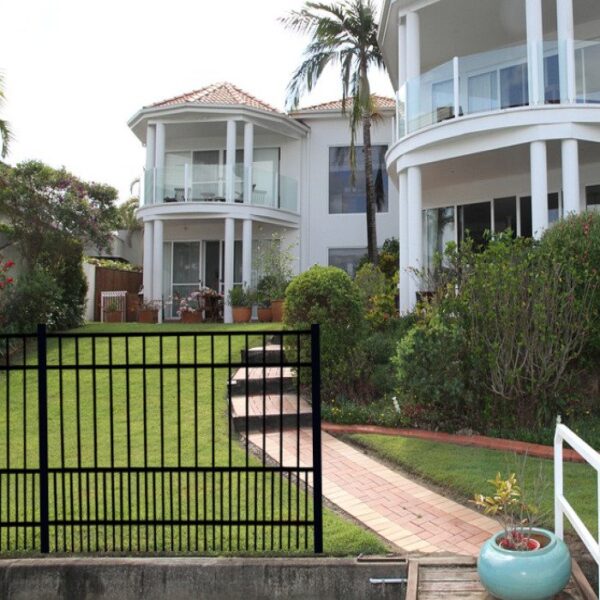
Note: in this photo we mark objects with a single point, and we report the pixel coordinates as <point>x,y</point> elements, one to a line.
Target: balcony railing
<point>187,183</point>
<point>496,80</point>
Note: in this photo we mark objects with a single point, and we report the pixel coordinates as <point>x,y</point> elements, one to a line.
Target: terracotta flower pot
<point>277,310</point>
<point>113,316</point>
<point>147,315</point>
<point>188,316</point>
<point>241,314</point>
<point>265,315</point>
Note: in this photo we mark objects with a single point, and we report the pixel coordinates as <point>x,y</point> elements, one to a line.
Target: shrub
<point>326,295</point>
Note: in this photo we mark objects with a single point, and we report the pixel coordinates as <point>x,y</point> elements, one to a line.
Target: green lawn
<point>170,428</point>
<point>465,470</point>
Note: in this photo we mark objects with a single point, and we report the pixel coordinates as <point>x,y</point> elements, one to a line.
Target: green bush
<point>326,295</point>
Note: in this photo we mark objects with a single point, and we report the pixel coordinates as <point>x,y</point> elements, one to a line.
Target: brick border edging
<point>479,441</point>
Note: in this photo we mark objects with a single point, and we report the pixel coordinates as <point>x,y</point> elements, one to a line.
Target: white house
<point>498,118</point>
<point>225,170</point>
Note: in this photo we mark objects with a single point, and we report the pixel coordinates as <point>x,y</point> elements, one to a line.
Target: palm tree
<point>5,134</point>
<point>343,34</point>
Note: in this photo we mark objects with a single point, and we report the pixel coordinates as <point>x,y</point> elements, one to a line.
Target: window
<point>592,198</point>
<point>474,220</point>
<point>442,94</point>
<point>438,231</point>
<point>514,86</point>
<point>554,208</point>
<point>346,259</point>
<point>346,196</point>
<point>554,212</point>
<point>552,80</point>
<point>505,215</point>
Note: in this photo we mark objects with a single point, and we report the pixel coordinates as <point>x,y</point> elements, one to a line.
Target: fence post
<point>43,436</point>
<point>558,482</point>
<point>315,360</point>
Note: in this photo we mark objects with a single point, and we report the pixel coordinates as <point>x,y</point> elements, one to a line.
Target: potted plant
<point>522,562</point>
<point>191,308</point>
<point>241,303</point>
<point>148,311</point>
<point>113,313</point>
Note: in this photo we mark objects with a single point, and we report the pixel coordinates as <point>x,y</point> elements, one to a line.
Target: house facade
<point>226,173</point>
<point>497,122</point>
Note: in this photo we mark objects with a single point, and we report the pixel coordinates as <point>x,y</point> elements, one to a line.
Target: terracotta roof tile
<point>336,105</point>
<point>218,93</point>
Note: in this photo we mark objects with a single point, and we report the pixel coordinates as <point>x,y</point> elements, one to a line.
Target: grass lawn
<point>465,471</point>
<point>169,428</point>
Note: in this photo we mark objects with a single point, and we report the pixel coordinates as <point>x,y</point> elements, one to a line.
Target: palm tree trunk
<point>370,190</point>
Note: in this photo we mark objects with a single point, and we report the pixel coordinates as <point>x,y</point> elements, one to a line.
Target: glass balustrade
<point>201,183</point>
<point>498,80</point>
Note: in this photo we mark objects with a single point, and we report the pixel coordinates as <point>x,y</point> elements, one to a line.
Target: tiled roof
<point>336,105</point>
<point>218,93</point>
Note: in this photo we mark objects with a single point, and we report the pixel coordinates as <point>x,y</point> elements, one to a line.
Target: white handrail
<point>562,507</point>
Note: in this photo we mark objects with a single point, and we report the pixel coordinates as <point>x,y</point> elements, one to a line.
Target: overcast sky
<point>76,70</point>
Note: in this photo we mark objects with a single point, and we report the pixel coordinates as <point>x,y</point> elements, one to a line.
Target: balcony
<point>495,81</point>
<point>199,184</point>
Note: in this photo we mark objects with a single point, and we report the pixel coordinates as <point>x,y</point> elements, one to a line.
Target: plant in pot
<point>191,308</point>
<point>148,311</point>
<point>522,562</point>
<point>240,300</point>
<point>263,299</point>
<point>113,313</point>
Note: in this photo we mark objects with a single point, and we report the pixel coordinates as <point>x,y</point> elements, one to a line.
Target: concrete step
<point>269,412</point>
<point>270,380</point>
<point>271,354</point>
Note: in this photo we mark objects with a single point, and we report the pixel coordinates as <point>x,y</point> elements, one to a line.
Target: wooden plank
<point>412,587</point>
<point>447,574</point>
<point>587,592</point>
<point>456,596</point>
<point>449,586</point>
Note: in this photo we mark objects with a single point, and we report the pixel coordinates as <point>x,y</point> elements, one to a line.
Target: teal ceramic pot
<point>533,575</point>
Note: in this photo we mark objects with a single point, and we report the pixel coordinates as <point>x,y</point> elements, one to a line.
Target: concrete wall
<point>196,578</point>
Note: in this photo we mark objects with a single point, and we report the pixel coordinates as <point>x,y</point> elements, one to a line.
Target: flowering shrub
<point>5,266</point>
<point>195,301</point>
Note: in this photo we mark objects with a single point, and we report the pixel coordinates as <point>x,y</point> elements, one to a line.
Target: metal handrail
<point>562,507</point>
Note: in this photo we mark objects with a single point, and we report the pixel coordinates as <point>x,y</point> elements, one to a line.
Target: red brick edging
<point>480,441</point>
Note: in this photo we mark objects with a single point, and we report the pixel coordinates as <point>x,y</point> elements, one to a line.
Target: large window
<point>474,220</point>
<point>438,226</point>
<point>346,259</point>
<point>592,198</point>
<point>348,196</point>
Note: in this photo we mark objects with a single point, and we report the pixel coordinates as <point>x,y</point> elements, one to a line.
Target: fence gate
<point>113,442</point>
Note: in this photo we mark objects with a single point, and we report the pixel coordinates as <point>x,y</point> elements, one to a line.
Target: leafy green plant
<point>240,296</point>
<point>274,263</point>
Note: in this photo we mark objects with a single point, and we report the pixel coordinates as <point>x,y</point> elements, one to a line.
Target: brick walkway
<point>405,513</point>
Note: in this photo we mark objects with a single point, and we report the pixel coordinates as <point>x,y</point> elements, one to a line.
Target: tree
<point>343,34</point>
<point>5,134</point>
<point>128,218</point>
<point>38,202</point>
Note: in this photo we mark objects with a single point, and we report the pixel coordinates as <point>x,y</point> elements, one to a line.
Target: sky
<point>76,70</point>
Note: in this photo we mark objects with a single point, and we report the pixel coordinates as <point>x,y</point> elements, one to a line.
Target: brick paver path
<point>407,514</point>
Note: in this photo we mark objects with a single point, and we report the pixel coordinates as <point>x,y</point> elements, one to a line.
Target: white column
<point>539,188</point>
<point>159,163</point>
<point>401,52</point>
<point>403,285</point>
<point>247,252</point>
<point>535,40</point>
<point>248,160</point>
<point>566,49</point>
<point>230,162</point>
<point>570,177</point>
<point>415,232</point>
<point>150,164</point>
<point>157,263</point>
<point>413,45</point>
<point>228,274</point>
<point>148,259</point>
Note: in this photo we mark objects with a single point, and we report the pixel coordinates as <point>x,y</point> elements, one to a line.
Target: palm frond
<point>5,137</point>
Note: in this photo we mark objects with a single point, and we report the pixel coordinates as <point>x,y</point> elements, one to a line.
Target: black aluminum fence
<point>115,442</point>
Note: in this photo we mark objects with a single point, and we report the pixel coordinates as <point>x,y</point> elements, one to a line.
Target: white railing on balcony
<point>200,183</point>
<point>496,80</point>
<point>562,507</point>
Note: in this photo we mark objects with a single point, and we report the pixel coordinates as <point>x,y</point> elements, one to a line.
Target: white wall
<point>321,230</point>
<point>90,274</point>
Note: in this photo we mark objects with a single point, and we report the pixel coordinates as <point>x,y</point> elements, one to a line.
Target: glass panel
<point>554,212</point>
<point>514,86</point>
<point>526,222</point>
<point>483,92</point>
<point>186,262</point>
<point>208,177</point>
<point>265,177</point>
<point>587,64</point>
<point>211,265</point>
<point>346,196</point>
<point>505,215</point>
<point>238,170</point>
<point>149,186</point>
<point>430,97</point>
<point>288,195</point>
<point>473,221</point>
<point>592,197</point>
<point>439,230</point>
<point>551,76</point>
<point>346,259</point>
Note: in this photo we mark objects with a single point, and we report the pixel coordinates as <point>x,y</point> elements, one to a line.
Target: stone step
<point>272,354</point>
<point>271,380</point>
<point>269,413</point>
